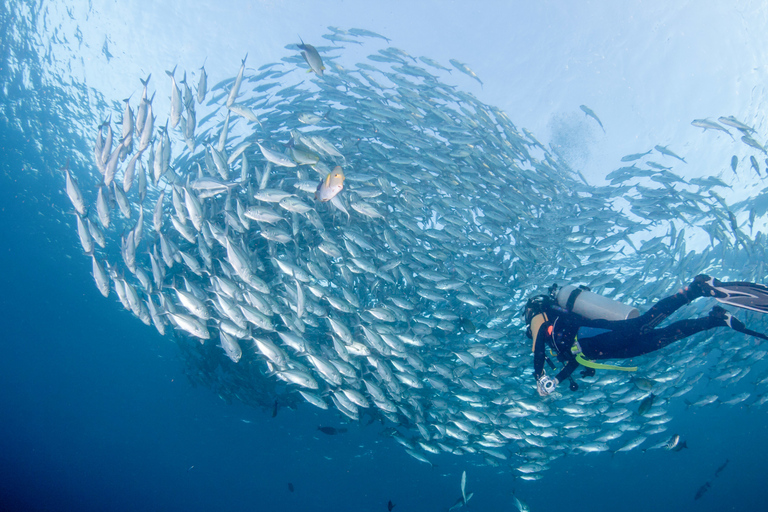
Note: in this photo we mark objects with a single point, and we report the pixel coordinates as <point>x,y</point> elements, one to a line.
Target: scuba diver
<point>580,326</point>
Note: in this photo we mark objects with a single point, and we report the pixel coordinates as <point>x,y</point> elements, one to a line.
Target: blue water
<point>97,411</point>
<point>97,414</point>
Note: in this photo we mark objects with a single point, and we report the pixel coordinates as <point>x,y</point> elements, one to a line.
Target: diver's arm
<point>539,352</point>
<point>568,370</point>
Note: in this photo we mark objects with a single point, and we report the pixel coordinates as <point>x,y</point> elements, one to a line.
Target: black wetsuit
<point>614,339</point>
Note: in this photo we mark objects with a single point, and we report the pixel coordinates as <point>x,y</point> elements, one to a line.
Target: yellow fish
<point>312,57</point>
<point>331,185</point>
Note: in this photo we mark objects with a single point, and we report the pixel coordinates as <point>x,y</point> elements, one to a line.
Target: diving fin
<point>727,319</point>
<point>741,294</point>
<point>741,328</point>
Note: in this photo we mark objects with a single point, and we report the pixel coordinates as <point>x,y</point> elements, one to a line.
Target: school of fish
<point>363,237</point>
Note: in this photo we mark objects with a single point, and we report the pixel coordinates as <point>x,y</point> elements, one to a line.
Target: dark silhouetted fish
<point>331,431</point>
<point>646,404</point>
<point>589,112</point>
<point>722,467</point>
<point>704,488</point>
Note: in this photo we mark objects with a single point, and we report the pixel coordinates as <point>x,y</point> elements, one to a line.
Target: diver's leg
<point>655,339</point>
<point>614,345</point>
<point>666,306</point>
<point>646,322</point>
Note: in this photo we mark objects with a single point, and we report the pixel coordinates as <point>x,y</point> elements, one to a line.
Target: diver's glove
<point>546,385</point>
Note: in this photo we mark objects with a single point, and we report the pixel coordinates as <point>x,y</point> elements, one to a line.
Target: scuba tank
<point>591,305</point>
